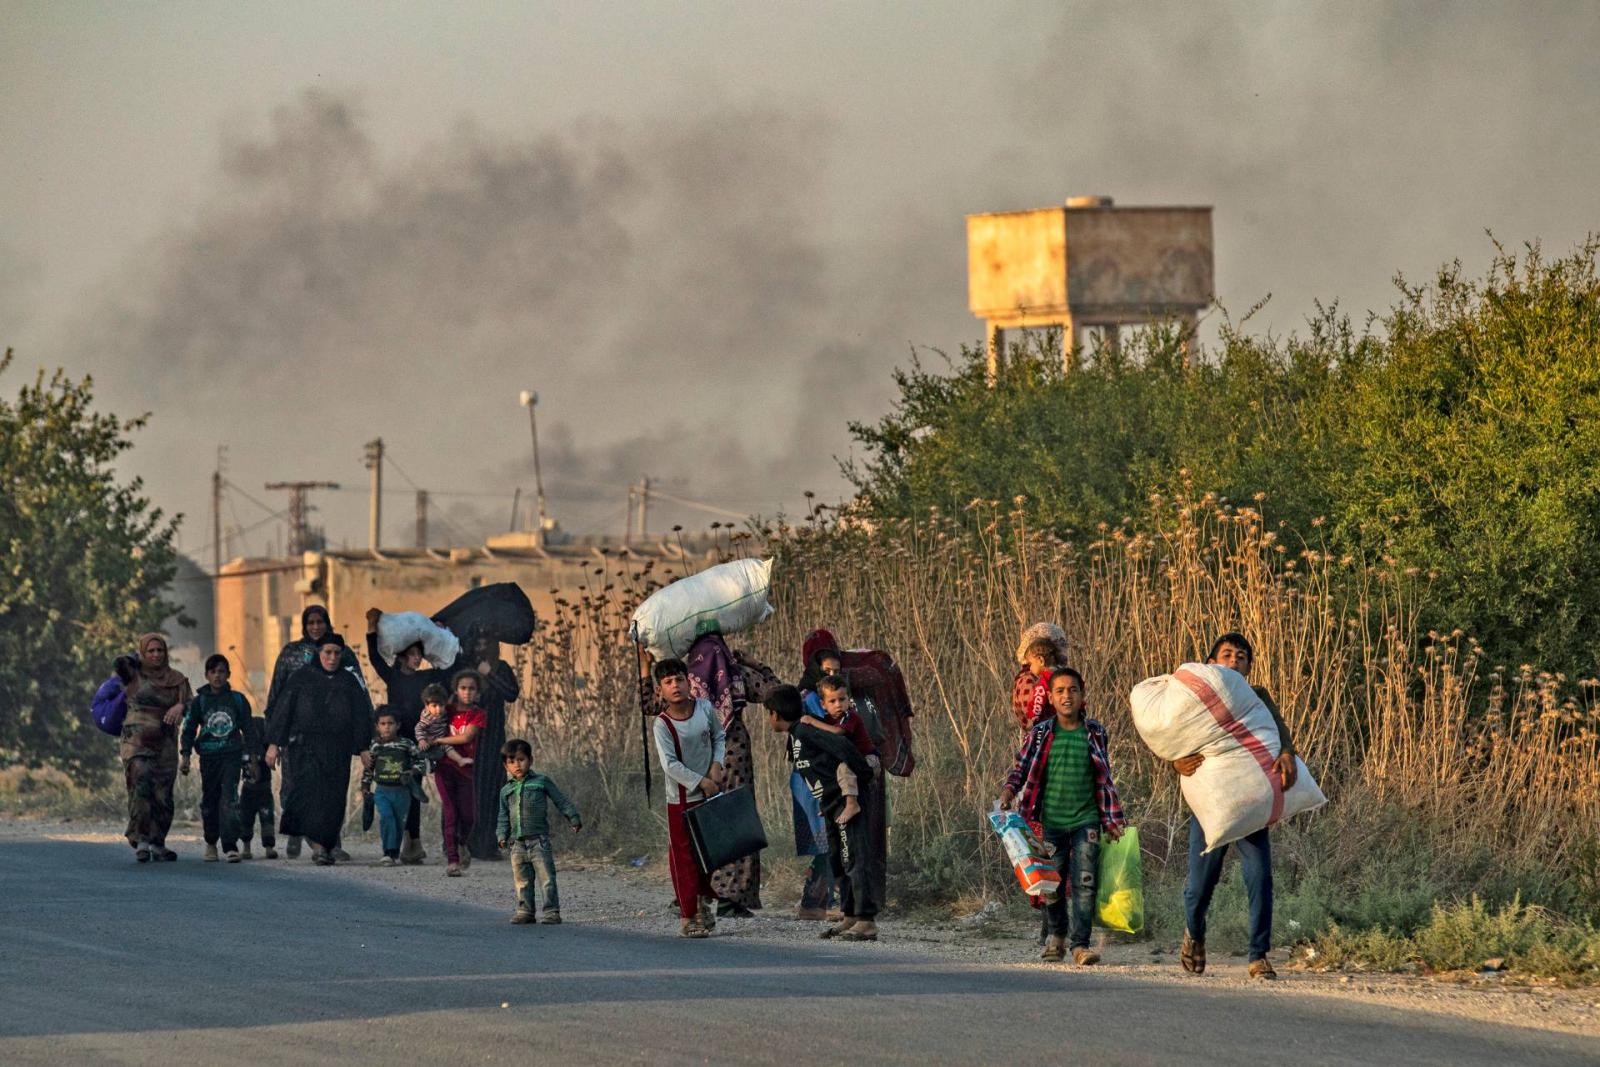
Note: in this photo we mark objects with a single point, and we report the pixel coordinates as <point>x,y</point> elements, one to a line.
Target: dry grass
<point>1411,734</point>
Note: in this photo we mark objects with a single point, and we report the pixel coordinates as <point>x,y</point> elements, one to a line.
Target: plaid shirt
<point>1026,780</point>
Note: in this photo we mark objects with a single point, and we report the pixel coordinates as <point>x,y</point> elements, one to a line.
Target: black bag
<point>725,828</point>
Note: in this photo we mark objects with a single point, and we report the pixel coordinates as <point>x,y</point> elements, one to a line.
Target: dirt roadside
<point>621,895</point>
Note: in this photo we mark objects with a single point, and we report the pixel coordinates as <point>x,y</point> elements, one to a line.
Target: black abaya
<point>323,719</point>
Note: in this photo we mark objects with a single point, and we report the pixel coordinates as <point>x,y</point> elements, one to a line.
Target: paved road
<point>104,960</point>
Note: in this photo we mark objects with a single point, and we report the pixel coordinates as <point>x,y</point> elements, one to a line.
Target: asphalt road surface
<point>103,960</point>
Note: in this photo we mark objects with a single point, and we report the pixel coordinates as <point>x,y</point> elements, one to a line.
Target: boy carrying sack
<point>522,828</point>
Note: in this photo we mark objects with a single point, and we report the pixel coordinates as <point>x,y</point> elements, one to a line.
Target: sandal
<point>1192,955</point>
<point>839,928</point>
<point>863,930</point>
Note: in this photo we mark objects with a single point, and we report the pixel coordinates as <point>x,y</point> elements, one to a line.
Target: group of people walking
<point>450,722</point>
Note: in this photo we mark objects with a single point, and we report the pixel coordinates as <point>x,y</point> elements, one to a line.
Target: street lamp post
<point>530,400</point>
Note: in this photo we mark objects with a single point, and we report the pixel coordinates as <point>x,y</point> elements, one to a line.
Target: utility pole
<point>375,508</point>
<point>216,514</point>
<point>644,508</point>
<point>422,518</point>
<point>530,400</point>
<point>298,509</point>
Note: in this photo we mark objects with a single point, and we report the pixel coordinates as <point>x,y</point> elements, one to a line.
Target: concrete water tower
<point>1088,264</point>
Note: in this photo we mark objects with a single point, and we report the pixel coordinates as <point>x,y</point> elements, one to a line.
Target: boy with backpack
<point>255,796</point>
<point>1062,781</point>
<point>820,756</point>
<point>214,725</point>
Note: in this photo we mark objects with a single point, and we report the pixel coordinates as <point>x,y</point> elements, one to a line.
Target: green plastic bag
<point>1119,900</point>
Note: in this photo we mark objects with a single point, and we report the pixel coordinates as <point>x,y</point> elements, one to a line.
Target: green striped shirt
<point>1069,782</point>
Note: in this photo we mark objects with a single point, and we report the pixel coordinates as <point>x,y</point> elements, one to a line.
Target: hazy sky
<point>706,233</point>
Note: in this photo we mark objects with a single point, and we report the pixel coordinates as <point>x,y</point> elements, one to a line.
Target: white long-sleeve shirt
<point>702,742</point>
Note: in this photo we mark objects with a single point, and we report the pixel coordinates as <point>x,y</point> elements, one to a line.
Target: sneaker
<point>341,855</point>
<point>522,918</point>
<point>245,854</point>
<point>1262,969</point>
<point>293,848</point>
<point>387,861</point>
<point>211,854</point>
<point>453,870</point>
<point>270,853</point>
<point>1085,957</point>
<point>1055,950</point>
<point>233,856</point>
<point>551,918</point>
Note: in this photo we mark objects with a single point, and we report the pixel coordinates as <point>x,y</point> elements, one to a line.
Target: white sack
<point>728,599</point>
<point>1212,710</point>
<point>401,629</point>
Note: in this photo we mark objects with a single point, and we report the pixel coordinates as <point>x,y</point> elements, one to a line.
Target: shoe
<point>1085,957</point>
<point>233,857</point>
<point>1192,954</point>
<point>142,853</point>
<point>293,848</point>
<point>466,857</point>
<point>551,918</point>
<point>692,928</point>
<point>453,871</point>
<point>522,918</point>
<point>1262,969</point>
<point>211,854</point>
<point>838,928</point>
<point>387,861</point>
<point>322,857</point>
<point>411,852</point>
<point>727,909</point>
<point>245,854</point>
<point>270,853</point>
<point>162,852</point>
<point>835,915</point>
<point>1055,950</point>
<point>341,855</point>
<point>810,914</point>
<point>862,930</point>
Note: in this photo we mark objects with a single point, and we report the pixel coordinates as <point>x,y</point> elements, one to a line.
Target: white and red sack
<point>1211,710</point>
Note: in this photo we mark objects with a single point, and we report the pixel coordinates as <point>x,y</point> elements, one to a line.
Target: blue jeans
<point>531,862</point>
<point>1077,858</point>
<point>394,804</point>
<point>1255,856</point>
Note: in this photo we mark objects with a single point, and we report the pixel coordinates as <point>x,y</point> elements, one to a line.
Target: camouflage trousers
<point>149,752</point>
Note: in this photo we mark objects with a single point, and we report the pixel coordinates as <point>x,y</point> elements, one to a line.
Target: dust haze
<point>706,291</point>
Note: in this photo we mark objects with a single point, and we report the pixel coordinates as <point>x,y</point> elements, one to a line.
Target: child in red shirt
<point>458,796</point>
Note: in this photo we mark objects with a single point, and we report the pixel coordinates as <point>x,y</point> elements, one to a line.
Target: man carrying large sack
<point>1233,650</point>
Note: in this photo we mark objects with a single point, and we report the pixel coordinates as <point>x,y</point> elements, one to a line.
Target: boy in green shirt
<point>522,828</point>
<point>1062,781</point>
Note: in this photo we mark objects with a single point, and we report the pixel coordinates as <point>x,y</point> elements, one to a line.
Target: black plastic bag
<point>501,611</point>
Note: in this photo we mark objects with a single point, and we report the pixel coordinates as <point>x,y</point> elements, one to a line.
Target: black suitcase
<point>725,828</point>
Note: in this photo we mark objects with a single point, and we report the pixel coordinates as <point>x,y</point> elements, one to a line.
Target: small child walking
<point>522,827</point>
<point>214,724</point>
<point>255,796</point>
<point>391,780</point>
<point>1062,781</point>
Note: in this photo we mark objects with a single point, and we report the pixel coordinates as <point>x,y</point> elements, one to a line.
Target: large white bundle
<point>401,629</point>
<point>728,599</point>
<point>1212,710</point>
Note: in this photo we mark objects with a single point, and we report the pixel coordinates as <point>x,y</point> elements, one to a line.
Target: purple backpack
<point>110,706</point>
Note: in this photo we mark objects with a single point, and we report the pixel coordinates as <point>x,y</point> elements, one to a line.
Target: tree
<point>86,558</point>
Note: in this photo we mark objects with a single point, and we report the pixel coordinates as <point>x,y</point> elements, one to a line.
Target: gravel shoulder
<point>626,897</point>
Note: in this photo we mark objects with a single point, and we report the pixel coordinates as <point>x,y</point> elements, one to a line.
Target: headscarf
<point>305,616</point>
<point>817,643</point>
<point>1042,631</point>
<point>168,684</point>
<point>329,638</point>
